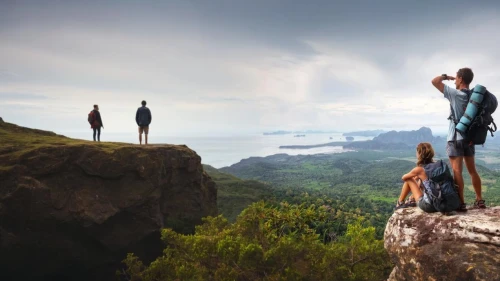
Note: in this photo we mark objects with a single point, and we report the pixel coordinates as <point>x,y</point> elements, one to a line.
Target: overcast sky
<point>230,66</point>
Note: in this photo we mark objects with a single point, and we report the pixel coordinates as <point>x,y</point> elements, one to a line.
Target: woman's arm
<point>415,172</point>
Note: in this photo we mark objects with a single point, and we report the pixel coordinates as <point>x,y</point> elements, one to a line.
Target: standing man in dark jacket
<point>96,122</point>
<point>143,118</point>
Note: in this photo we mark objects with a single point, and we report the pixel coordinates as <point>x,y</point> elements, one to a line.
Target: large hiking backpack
<point>474,125</point>
<point>440,188</point>
<point>91,118</point>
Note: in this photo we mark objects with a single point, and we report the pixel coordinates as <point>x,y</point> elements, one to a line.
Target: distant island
<point>393,140</point>
<point>371,133</point>
<point>336,143</point>
<point>281,132</point>
<point>278,133</point>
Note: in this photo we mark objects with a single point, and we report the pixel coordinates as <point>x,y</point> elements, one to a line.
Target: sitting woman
<point>444,196</point>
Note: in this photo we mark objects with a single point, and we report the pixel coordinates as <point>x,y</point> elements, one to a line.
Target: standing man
<point>96,122</point>
<point>143,118</point>
<point>458,150</point>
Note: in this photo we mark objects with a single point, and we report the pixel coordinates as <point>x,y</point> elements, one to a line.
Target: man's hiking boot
<point>479,204</point>
<point>410,202</point>
<point>462,208</point>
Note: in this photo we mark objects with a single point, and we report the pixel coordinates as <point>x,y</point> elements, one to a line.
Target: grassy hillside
<point>368,174</point>
<point>337,173</point>
<point>234,194</point>
<point>17,142</point>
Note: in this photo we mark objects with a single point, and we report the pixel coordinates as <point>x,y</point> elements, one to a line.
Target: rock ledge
<point>437,247</point>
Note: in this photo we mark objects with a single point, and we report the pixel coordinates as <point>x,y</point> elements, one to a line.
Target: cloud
<point>241,67</point>
<point>9,97</point>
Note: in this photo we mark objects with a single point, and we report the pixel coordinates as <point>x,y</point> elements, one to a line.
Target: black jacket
<point>143,116</point>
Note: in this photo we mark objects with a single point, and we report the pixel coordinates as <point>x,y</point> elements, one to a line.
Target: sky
<point>241,67</point>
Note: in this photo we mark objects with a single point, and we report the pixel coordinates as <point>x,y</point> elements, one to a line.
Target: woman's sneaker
<point>410,202</point>
<point>400,205</point>
<point>479,204</point>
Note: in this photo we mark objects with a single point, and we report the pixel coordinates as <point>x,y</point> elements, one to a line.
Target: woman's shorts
<point>426,206</point>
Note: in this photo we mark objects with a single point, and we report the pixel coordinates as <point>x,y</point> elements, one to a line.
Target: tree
<point>269,243</point>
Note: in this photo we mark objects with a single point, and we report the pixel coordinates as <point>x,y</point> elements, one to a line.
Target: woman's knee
<point>410,181</point>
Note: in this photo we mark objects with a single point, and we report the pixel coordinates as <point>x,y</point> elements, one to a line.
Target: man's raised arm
<point>438,81</point>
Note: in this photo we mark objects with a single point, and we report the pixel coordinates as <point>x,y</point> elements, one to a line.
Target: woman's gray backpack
<point>440,188</point>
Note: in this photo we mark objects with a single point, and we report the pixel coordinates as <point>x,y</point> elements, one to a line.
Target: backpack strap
<point>476,103</point>
<point>467,91</point>
<point>454,120</point>
<point>452,115</point>
<point>491,129</point>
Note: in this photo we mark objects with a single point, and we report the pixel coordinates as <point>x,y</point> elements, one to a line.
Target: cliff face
<point>436,247</point>
<point>71,209</point>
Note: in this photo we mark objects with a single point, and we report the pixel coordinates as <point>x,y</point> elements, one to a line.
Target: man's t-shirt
<point>458,101</point>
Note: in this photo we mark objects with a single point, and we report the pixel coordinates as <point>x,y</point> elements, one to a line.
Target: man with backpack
<point>143,119</point>
<point>460,150</point>
<point>95,122</point>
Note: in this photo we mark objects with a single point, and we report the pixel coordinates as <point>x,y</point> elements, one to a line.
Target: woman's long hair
<point>425,153</point>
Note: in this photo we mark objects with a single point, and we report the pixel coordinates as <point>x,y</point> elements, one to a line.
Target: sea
<point>222,151</point>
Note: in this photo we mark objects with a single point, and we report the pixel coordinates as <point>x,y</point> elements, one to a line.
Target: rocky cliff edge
<point>72,209</point>
<point>464,246</point>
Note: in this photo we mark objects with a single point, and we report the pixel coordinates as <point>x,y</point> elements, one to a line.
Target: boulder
<point>464,246</point>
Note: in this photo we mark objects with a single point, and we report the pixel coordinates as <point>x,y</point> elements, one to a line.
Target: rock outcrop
<point>72,209</point>
<point>413,137</point>
<point>437,247</point>
<point>399,140</point>
<point>369,133</point>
